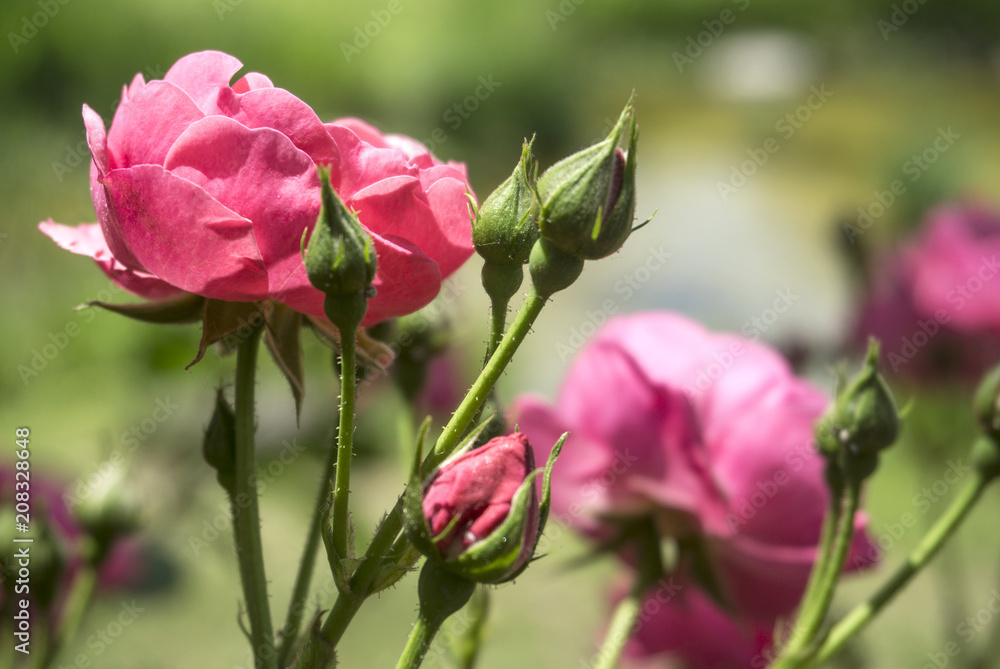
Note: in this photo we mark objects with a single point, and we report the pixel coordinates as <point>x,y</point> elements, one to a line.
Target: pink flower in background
<point>206,187</point>
<point>935,303</point>
<point>694,629</point>
<point>51,504</point>
<point>709,433</point>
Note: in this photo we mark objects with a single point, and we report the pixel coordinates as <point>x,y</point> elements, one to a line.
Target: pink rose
<point>472,495</point>
<point>709,433</point>
<point>206,187</point>
<point>933,303</point>
<point>691,627</point>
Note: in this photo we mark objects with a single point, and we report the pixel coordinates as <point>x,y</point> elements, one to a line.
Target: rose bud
<point>478,515</point>
<point>339,259</point>
<point>588,199</point>
<point>863,419</point>
<point>504,230</point>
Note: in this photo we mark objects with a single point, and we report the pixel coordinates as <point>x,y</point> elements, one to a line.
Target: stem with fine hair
<point>345,441</point>
<point>807,627</point>
<point>385,535</point>
<point>296,608</point>
<point>246,527</point>
<point>929,546</point>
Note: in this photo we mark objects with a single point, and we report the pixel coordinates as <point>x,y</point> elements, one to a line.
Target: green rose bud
<point>340,259</point>
<point>505,227</point>
<point>588,199</point>
<point>219,446</point>
<point>863,419</point>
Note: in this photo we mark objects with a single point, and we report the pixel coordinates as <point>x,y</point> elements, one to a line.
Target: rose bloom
<point>711,435</point>
<point>206,187</point>
<point>932,303</point>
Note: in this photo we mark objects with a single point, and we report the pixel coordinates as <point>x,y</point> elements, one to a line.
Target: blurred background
<point>771,136</point>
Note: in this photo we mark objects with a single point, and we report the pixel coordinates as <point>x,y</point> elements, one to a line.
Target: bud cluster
<point>581,208</point>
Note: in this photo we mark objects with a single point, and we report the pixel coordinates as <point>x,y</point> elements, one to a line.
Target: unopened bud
<point>340,259</point>
<point>219,447</point>
<point>863,420</point>
<point>588,199</point>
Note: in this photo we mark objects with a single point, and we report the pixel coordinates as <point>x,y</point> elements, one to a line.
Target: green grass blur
<point>563,67</point>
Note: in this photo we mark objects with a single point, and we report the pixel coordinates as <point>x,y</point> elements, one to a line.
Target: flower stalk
<point>249,550</point>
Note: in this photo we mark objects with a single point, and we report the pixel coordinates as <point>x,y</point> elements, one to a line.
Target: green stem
<point>345,439</point>
<point>626,613</point>
<point>823,550</point>
<point>417,645</point>
<point>477,395</point>
<point>385,536</point>
<point>932,542</point>
<point>498,321</point>
<point>249,550</point>
<point>296,608</point>
<point>798,650</point>
<point>650,568</point>
<point>77,602</point>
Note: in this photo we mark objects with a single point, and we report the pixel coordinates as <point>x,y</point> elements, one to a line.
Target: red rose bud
<point>588,199</point>
<point>470,497</point>
<point>479,515</point>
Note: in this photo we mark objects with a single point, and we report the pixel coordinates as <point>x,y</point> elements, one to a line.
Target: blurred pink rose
<point>206,187</point>
<point>691,627</point>
<point>51,504</point>
<point>935,303</point>
<point>712,434</point>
